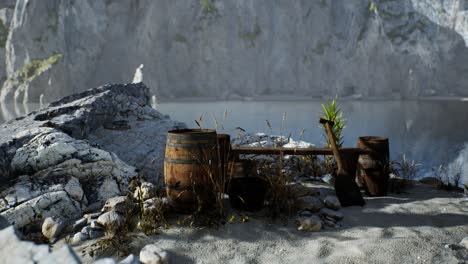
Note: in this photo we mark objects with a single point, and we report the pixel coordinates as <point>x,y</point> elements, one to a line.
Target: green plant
<point>373,7</point>
<point>333,113</point>
<point>208,7</point>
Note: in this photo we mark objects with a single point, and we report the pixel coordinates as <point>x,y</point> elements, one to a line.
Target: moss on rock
<point>37,66</point>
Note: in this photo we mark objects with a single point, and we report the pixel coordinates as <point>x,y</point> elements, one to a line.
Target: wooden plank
<point>290,151</point>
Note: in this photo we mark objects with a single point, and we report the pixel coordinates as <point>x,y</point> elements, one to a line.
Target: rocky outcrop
<point>232,49</point>
<point>79,152</point>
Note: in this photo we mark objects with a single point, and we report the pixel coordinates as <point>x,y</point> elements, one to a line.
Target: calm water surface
<point>432,132</point>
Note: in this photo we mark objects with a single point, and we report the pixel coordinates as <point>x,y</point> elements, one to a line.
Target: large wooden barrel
<point>191,168</point>
<point>373,167</point>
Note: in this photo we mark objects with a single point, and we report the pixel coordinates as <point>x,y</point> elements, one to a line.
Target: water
<point>431,132</point>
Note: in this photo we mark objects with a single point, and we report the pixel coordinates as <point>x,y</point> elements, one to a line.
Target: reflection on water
<point>432,132</point>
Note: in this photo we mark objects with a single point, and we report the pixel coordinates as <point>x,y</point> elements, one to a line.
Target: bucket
<point>190,168</point>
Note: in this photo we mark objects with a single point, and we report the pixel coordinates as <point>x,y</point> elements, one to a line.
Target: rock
<point>310,203</point>
<point>105,261</point>
<point>41,207</point>
<point>464,242</point>
<point>131,259</point>
<point>433,181</point>
<point>301,190</point>
<point>4,223</point>
<point>332,202</point>
<point>95,225</point>
<point>52,228</point>
<point>120,204</point>
<point>309,224</point>
<point>55,158</point>
<point>94,234</point>
<point>152,254</point>
<point>453,247</point>
<point>325,212</point>
<point>78,238</point>
<point>305,213</point>
<point>145,191</point>
<point>112,221</point>
<point>79,224</point>
<point>328,179</point>
<point>13,250</point>
<point>91,217</point>
<point>86,230</point>
<point>155,205</point>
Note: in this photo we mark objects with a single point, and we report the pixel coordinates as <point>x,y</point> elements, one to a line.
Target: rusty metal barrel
<point>373,167</point>
<point>190,168</point>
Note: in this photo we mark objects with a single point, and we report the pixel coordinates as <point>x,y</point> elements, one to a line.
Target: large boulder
<point>79,152</point>
<point>13,250</point>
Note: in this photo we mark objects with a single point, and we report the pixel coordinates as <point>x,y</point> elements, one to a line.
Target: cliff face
<point>382,48</point>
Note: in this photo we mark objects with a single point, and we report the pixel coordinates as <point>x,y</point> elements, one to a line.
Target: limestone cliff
<point>227,49</point>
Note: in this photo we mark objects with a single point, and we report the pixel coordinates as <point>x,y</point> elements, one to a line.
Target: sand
<point>407,228</point>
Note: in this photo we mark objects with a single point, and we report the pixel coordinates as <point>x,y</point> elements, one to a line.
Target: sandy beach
<point>413,227</point>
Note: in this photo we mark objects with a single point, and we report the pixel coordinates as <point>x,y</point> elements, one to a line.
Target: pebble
<point>95,225</point>
<point>310,203</point>
<point>52,228</point>
<point>152,254</point>
<point>120,204</point>
<point>464,243</point>
<point>332,202</point>
<point>112,221</point>
<point>78,238</point>
<point>79,224</point>
<point>131,259</point>
<point>332,214</point>
<point>86,230</point>
<point>309,224</point>
<point>93,234</point>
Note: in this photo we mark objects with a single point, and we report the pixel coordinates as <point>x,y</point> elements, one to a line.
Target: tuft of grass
<point>405,168</point>
<point>208,6</point>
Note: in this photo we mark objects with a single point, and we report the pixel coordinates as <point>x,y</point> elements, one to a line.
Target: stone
<point>301,190</point>
<point>58,154</point>
<point>328,179</point>
<point>145,191</point>
<point>310,203</point>
<point>464,242</point>
<point>41,207</point>
<point>433,181</point>
<point>85,230</point>
<point>131,259</point>
<point>155,205</point>
<point>332,202</point>
<point>78,238</point>
<point>52,228</point>
<point>95,225</point>
<point>13,250</point>
<point>309,224</point>
<point>91,217</point>
<point>336,215</point>
<point>94,234</point>
<point>4,223</point>
<point>105,261</point>
<point>79,224</point>
<point>152,254</point>
<point>120,204</point>
<point>112,221</point>
<point>453,247</point>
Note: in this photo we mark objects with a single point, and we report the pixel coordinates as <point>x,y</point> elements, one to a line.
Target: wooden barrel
<point>190,168</point>
<point>373,167</point>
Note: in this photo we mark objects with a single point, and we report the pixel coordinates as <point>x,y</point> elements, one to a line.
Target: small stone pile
<point>318,209</point>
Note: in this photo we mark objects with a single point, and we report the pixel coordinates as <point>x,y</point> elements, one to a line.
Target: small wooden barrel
<point>373,167</point>
<point>190,168</point>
